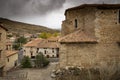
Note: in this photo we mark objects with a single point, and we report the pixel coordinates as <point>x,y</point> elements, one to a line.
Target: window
<point>76,24</point>
<point>0,36</point>
<point>0,53</point>
<point>53,56</point>
<point>37,50</point>
<point>52,50</point>
<point>45,51</point>
<point>8,59</point>
<point>119,16</point>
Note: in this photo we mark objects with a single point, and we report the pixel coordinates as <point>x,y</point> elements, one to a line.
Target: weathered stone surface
<point>100,23</point>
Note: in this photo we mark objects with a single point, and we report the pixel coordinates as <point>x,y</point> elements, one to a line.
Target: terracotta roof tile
<point>43,43</point>
<point>48,44</point>
<point>76,37</point>
<point>33,43</point>
<point>10,53</point>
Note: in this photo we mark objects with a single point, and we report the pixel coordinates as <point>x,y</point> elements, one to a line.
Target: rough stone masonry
<point>90,35</point>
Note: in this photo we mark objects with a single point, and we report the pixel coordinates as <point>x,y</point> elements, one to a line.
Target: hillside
<point>21,28</point>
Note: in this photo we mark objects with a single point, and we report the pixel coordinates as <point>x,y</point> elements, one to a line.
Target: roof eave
<point>87,42</point>
<point>99,6</point>
<point>4,28</point>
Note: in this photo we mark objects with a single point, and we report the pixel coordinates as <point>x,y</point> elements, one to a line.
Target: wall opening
<point>119,16</point>
<point>76,23</point>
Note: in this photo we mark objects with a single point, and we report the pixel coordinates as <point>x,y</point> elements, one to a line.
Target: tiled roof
<point>10,53</point>
<point>33,43</point>
<point>43,43</point>
<point>48,44</point>
<point>77,37</point>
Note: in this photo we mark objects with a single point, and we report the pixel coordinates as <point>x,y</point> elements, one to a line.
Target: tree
<point>41,61</point>
<point>19,42</point>
<point>43,35</point>
<point>55,34</point>
<point>26,63</point>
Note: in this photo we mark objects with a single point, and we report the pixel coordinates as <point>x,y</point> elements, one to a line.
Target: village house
<point>11,56</point>
<point>90,35</point>
<point>48,47</point>
<point>2,49</point>
<point>11,59</point>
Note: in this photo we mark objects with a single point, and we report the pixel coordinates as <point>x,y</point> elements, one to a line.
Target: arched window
<point>76,23</point>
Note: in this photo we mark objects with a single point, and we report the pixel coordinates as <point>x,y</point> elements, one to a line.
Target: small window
<point>53,56</point>
<point>119,16</point>
<point>8,59</point>
<point>76,23</point>
<point>0,53</point>
<point>45,51</point>
<point>0,36</point>
<point>52,50</point>
<point>37,50</point>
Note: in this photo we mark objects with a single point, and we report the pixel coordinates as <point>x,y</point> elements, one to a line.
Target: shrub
<point>26,63</point>
<point>41,61</point>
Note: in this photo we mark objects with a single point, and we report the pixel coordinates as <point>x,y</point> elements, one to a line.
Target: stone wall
<point>10,61</point>
<point>2,46</point>
<point>107,30</point>
<point>104,24</point>
<point>85,21</point>
<point>80,54</point>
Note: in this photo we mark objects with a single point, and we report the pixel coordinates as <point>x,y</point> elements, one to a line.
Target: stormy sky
<point>48,13</point>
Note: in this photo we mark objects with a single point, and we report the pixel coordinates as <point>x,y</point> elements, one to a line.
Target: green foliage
<point>45,35</point>
<point>41,61</point>
<point>55,34</point>
<point>26,63</point>
<point>19,42</point>
<point>16,46</point>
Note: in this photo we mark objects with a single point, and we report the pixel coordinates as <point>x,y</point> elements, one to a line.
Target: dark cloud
<point>43,12</point>
<point>28,7</point>
<point>10,8</point>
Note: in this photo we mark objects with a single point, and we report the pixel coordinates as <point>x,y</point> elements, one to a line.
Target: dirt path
<point>37,74</point>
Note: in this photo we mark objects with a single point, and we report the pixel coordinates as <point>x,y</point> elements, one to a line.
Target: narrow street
<point>36,74</point>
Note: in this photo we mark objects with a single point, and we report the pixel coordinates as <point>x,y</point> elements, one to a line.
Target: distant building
<point>90,35</point>
<point>48,47</point>
<point>2,49</point>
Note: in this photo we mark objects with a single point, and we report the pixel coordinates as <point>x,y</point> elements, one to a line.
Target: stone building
<point>30,48</point>
<point>90,35</point>
<point>2,49</point>
<point>48,47</point>
<point>11,59</point>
